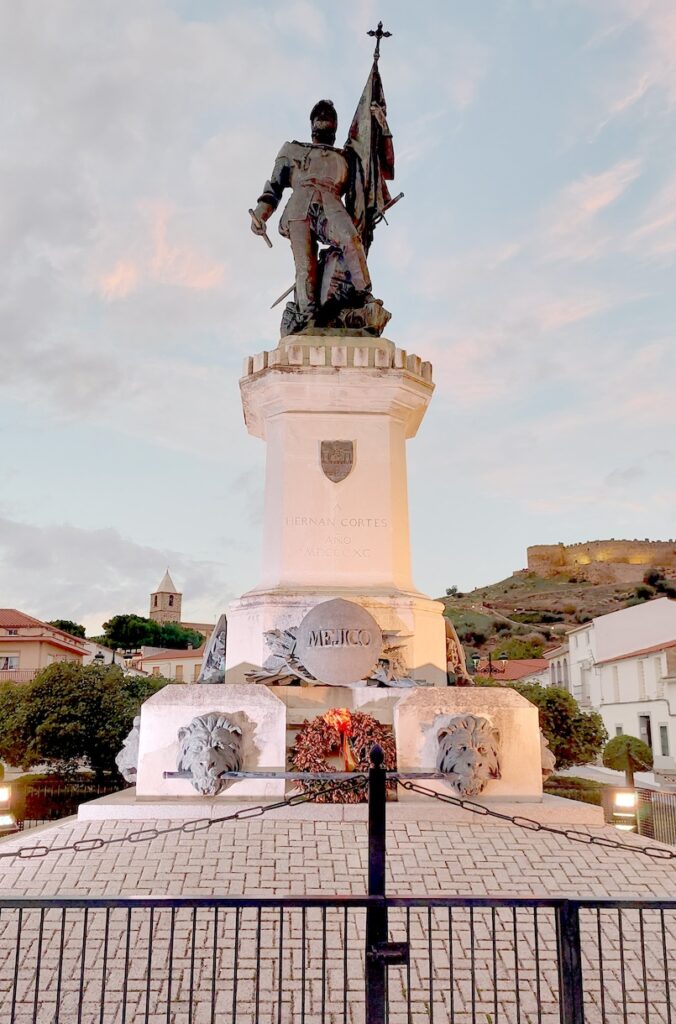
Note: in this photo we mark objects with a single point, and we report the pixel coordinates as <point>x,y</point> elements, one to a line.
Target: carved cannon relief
<point>127,759</point>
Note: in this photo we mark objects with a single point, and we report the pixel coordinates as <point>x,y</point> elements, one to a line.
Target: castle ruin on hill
<point>603,561</point>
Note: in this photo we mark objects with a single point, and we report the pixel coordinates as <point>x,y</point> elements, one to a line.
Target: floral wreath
<point>351,733</point>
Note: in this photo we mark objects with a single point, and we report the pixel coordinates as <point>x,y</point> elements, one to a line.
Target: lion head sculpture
<point>211,744</point>
<point>468,753</point>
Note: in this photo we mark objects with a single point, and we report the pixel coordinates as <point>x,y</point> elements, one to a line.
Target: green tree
<point>11,735</point>
<point>71,715</point>
<point>68,626</point>
<point>628,754</point>
<point>178,638</point>
<point>575,736</point>
<point>131,631</point>
<point>516,648</point>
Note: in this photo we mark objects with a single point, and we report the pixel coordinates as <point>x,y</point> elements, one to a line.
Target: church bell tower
<point>165,602</point>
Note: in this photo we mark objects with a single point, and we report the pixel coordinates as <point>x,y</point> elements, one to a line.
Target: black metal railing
<point>45,800</point>
<point>371,958</point>
<point>656,815</point>
<point>457,959</point>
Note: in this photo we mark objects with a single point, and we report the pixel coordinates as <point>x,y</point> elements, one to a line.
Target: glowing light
<point>626,800</point>
<point>7,821</point>
<point>340,719</point>
<point>5,793</point>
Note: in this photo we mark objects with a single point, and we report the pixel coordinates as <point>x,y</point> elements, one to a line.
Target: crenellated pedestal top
<point>337,352</point>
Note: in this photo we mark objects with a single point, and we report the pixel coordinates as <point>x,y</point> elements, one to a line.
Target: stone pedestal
<point>254,709</point>
<point>325,539</point>
<point>420,715</point>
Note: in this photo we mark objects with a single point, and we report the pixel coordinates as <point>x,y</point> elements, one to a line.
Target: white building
<point>638,697</point>
<point>180,666</point>
<point>558,673</point>
<point>624,665</point>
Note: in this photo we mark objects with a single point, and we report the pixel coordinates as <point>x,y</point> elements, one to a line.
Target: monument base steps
<point>126,806</point>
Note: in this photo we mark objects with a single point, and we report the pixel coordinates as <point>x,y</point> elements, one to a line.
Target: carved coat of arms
<point>337,459</point>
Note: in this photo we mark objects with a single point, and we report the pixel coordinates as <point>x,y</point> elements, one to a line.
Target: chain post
<point>570,962</point>
<point>376,917</point>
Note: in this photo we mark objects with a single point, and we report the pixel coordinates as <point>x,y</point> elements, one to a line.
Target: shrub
<point>71,715</point>
<point>628,754</point>
<point>575,736</point>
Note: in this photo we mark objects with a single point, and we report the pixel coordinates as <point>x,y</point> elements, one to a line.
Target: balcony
<point>17,675</point>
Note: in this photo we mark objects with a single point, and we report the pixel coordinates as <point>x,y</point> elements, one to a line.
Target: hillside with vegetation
<point>526,614</point>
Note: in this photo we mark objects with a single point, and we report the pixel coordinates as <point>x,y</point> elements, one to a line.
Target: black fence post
<point>570,962</point>
<point>376,916</point>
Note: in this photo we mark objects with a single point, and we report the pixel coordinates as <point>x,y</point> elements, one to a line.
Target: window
<point>659,678</point>
<point>154,600</point>
<point>171,600</point>
<point>12,632</point>
<point>640,668</point>
<point>9,662</point>
<point>179,674</point>
<point>156,670</point>
<point>196,673</point>
<point>664,740</point>
<point>566,680</point>
<point>644,730</point>
<point>619,731</point>
<point>616,684</point>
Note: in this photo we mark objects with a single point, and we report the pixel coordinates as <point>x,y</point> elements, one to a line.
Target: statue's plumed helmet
<point>324,107</point>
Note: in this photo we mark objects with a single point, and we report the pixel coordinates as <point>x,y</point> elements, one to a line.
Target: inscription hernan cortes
<point>337,459</point>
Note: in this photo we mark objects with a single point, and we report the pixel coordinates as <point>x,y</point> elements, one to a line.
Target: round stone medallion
<point>339,642</point>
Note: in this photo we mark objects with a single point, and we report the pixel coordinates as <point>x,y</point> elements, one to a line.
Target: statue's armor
<point>318,176</point>
<point>315,173</point>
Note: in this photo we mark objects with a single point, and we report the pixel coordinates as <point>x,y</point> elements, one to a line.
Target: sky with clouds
<point>532,261</point>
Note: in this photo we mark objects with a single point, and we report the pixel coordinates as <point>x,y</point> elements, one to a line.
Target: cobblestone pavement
<point>465,966</point>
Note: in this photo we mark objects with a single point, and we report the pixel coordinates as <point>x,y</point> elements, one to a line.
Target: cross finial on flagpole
<point>379,34</point>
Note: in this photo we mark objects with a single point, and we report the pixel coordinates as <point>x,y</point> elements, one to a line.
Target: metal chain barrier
<point>537,826</point>
<point>188,827</point>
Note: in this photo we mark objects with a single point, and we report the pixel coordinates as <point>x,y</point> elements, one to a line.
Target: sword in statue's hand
<point>260,228</point>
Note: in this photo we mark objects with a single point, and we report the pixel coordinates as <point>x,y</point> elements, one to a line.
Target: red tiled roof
<point>515,669</point>
<point>10,618</point>
<point>664,646</point>
<point>174,655</point>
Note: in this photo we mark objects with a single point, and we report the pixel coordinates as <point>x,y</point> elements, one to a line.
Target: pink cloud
<point>160,260</point>
<point>121,281</point>
<point>571,229</point>
<point>179,265</point>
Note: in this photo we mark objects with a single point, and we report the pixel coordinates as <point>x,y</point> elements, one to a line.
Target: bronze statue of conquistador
<point>337,197</point>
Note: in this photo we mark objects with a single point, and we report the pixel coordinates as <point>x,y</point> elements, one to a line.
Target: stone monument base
<point>269,717</point>
<point>416,618</point>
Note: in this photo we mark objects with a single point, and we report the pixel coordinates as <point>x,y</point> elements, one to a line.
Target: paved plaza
<point>463,963</point>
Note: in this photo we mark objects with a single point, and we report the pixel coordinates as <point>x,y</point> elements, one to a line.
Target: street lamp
<point>99,658</point>
<point>492,669</point>
<point>7,819</point>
